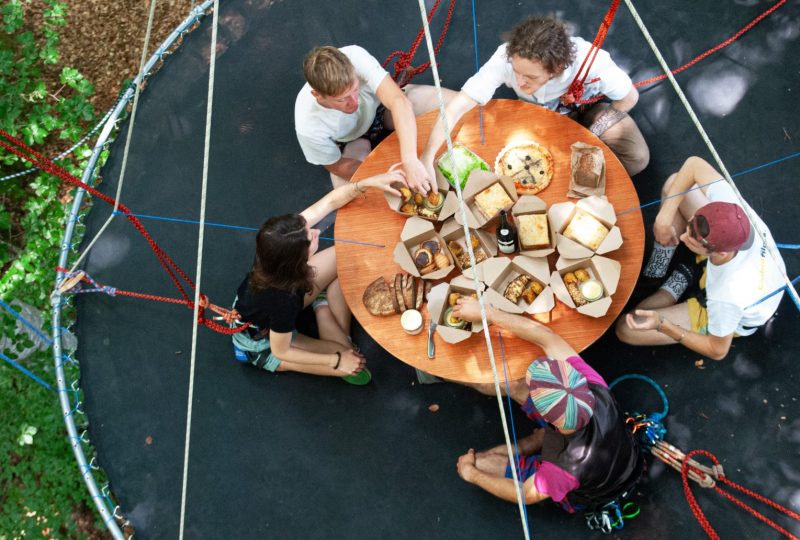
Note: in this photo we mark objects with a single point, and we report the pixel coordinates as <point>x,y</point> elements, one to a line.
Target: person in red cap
<point>581,455</point>
<point>734,276</point>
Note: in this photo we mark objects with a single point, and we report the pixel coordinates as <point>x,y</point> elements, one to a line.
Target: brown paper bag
<point>587,171</point>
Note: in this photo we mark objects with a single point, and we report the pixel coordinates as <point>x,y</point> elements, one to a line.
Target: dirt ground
<point>103,39</point>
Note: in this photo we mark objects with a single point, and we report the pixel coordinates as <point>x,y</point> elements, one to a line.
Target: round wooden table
<point>369,219</point>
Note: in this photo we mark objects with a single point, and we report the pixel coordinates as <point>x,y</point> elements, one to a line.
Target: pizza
<point>530,165</point>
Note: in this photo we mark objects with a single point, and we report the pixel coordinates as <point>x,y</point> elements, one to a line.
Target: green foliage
<point>47,106</point>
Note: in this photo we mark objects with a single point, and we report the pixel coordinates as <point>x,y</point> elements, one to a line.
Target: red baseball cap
<point>728,228</point>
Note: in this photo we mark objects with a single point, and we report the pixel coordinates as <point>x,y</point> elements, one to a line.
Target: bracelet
<point>660,322</point>
<point>338,360</point>
<point>680,339</point>
<point>358,188</point>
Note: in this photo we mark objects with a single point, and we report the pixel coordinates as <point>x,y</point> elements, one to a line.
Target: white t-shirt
<point>742,281</point>
<point>614,82</point>
<point>318,128</point>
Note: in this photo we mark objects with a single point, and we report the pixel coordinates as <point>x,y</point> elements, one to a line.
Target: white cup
<point>411,321</point>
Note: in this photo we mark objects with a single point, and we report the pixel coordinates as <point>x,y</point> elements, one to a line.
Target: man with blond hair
<point>346,108</point>
<point>539,62</point>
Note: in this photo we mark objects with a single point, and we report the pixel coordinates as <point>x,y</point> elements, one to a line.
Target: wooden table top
<point>369,219</point>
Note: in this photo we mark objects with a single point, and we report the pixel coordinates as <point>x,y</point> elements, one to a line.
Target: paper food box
<point>417,250</point>
<point>463,162</point>
<point>485,195</point>
<point>438,307</point>
<point>415,204</point>
<point>585,228</point>
<point>603,269</point>
<point>453,235</point>
<point>533,212</point>
<point>500,272</point>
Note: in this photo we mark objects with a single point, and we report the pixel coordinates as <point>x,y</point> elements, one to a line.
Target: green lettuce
<point>464,162</point>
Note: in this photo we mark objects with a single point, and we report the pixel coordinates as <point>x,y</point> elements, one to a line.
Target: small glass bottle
<point>506,234</point>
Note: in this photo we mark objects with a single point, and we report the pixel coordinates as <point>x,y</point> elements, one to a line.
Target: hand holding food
<point>467,309</point>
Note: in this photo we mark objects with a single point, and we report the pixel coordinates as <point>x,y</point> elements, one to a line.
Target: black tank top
<point>604,455</point>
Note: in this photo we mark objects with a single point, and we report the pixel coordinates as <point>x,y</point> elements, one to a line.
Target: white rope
<point>750,214</point>
<point>487,336</point>
<point>199,269</point>
<point>125,153</point>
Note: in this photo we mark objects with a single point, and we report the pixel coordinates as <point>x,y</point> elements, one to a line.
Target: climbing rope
<point>720,478</point>
<point>574,94</point>
<point>173,270</point>
<point>403,71</point>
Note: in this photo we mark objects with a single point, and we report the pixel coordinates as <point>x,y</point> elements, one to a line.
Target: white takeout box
<point>603,269</point>
<point>477,182</point>
<point>561,214</point>
<point>498,273</point>
<point>449,207</point>
<point>531,204</point>
<point>452,230</point>
<point>415,231</point>
<point>437,305</point>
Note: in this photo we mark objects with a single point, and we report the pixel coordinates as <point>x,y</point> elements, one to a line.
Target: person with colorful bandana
<point>580,454</point>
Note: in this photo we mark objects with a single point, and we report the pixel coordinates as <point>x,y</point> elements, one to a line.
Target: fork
<point>431,345</point>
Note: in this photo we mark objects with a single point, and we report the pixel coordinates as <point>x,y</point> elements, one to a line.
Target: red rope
<point>173,270</point>
<point>698,512</point>
<point>576,89</point>
<point>403,72</point>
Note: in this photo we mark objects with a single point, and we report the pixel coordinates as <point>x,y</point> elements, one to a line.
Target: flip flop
<point>359,379</point>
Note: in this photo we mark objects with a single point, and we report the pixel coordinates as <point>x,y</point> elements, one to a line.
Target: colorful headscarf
<point>560,393</point>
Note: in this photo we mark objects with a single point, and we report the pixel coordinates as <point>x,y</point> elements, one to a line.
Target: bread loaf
<point>586,230</point>
<point>589,169</point>
<point>377,298</point>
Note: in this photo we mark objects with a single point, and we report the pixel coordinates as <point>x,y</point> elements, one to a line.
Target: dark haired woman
<point>289,274</point>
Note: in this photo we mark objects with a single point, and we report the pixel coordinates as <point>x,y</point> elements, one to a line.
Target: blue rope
<point>788,246</point>
<point>773,293</point>
<point>651,382</point>
<point>27,323</point>
<point>26,372</point>
<point>648,428</point>
<point>239,227</point>
<point>740,173</point>
<point>477,64</point>
<point>513,431</point>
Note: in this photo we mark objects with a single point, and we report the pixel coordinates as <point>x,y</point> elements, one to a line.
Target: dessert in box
<point>585,228</point>
<point>450,328</point>
<point>536,237</point>
<point>530,165</point>
<point>421,251</point>
<point>491,200</point>
<point>485,195</point>
<point>586,284</point>
<point>484,245</point>
<point>463,162</point>
<point>519,285</point>
<point>435,206</point>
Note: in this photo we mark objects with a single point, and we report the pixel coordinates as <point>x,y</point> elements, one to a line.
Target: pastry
<point>529,295</point>
<point>529,164</point>
<point>408,208</point>
<point>377,298</point>
<point>405,193</point>
<point>428,269</point>
<point>537,287</point>
<point>434,201</point>
<point>569,277</point>
<point>582,275</point>
<point>491,200</point>
<point>453,298</point>
<point>575,294</point>
<point>423,257</point>
<point>533,231</point>
<point>426,212</point>
<point>441,260</point>
<point>451,321</point>
<point>455,248</point>
<point>586,230</point>
<point>418,199</point>
<point>432,245</point>
<point>515,287</point>
<point>475,242</point>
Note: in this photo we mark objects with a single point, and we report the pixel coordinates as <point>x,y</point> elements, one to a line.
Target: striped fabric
<point>560,393</point>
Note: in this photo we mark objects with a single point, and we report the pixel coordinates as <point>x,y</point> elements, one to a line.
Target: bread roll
<point>377,298</point>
